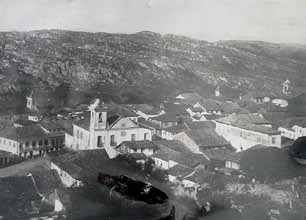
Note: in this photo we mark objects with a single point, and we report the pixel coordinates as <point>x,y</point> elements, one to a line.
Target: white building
<point>245,131</point>
<point>293,128</point>
<point>97,130</point>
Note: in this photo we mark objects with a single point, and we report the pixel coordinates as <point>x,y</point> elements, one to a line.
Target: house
<point>209,106</point>
<point>165,120</point>
<point>222,158</point>
<point>28,141</point>
<point>198,139</point>
<point>178,172</point>
<point>293,127</point>
<point>243,131</point>
<point>167,158</point>
<point>99,130</point>
<point>170,132</point>
<point>145,111</point>
<point>146,147</point>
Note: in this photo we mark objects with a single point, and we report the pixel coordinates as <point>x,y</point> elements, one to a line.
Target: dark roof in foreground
<point>47,181</point>
<point>18,197</point>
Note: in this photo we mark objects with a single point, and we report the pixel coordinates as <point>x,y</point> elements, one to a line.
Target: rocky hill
<point>144,66</point>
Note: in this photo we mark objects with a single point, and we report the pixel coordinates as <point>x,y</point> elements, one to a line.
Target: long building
<point>246,130</point>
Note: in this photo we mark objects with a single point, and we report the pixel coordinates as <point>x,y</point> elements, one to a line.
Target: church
<point>100,130</point>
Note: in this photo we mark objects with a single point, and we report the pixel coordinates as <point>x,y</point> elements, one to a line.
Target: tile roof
<point>167,117</point>
<point>211,105</point>
<point>23,133</point>
<point>175,109</point>
<point>253,122</point>
<point>173,145</point>
<point>24,122</point>
<point>200,125</point>
<point>176,129</point>
<point>180,170</point>
<point>183,158</point>
<point>139,144</point>
<point>207,138</point>
<point>221,154</point>
<point>85,165</point>
<point>148,124</point>
<point>292,121</point>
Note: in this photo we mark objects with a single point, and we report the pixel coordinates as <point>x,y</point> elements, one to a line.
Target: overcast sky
<point>212,20</point>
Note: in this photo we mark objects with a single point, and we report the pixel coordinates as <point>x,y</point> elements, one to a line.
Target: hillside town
<point>218,152</point>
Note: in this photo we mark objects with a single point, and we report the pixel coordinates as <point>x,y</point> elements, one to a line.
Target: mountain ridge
<point>145,66</point>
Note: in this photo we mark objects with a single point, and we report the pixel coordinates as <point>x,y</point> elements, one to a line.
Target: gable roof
<point>207,138</point>
<point>253,122</point>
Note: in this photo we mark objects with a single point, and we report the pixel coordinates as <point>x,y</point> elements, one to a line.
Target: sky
<point>279,21</point>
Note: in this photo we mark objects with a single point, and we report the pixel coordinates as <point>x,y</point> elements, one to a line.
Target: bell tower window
<point>100,118</point>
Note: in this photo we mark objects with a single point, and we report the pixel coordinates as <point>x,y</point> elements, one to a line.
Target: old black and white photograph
<point>152,110</point>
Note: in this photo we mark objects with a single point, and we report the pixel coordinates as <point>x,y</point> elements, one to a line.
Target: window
<point>112,140</point>
<point>53,142</point>
<point>27,144</point>
<point>100,117</point>
<point>123,125</point>
<point>99,142</point>
<point>145,136</point>
<point>123,133</point>
<point>34,143</point>
<point>46,142</point>
<point>273,140</point>
<point>40,143</point>
<point>133,137</point>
